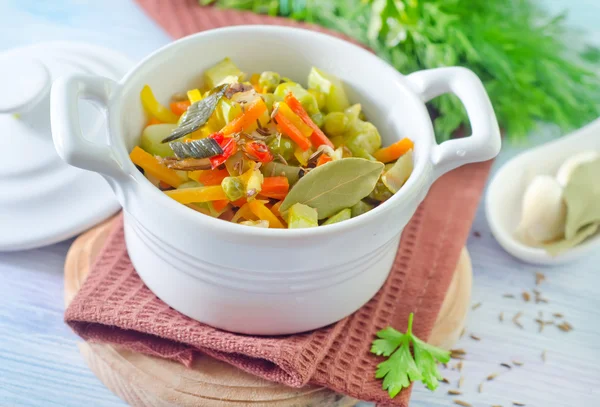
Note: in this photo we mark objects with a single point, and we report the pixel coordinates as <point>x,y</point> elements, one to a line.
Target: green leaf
<point>376,21</point>
<point>339,184</point>
<point>582,197</point>
<point>197,114</point>
<point>401,369</point>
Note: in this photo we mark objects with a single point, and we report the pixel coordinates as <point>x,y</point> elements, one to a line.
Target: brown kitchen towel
<point>114,306</point>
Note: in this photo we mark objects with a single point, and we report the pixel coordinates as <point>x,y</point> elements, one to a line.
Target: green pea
<point>268,81</point>
<point>282,146</point>
<point>335,124</point>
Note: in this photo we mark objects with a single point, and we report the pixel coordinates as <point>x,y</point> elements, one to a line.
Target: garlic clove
<point>543,212</point>
<point>566,169</point>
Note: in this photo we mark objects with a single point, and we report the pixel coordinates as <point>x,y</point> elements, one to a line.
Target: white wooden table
<point>39,361</point>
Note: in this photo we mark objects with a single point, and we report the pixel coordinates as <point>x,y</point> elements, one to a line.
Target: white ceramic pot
<point>268,281</point>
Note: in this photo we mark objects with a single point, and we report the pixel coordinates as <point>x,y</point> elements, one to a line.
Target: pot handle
<point>69,141</point>
<point>484,142</point>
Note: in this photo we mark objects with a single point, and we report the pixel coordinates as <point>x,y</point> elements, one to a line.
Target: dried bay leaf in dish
<point>582,197</point>
<point>339,184</point>
<point>555,248</point>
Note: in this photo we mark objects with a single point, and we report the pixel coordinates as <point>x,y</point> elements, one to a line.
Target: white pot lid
<point>42,199</point>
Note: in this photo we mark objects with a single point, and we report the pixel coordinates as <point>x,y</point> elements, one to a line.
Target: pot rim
<point>419,179</point>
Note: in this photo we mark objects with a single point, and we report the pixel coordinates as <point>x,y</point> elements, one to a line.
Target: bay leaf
<point>334,186</point>
<point>582,197</point>
<point>197,114</point>
<point>560,246</point>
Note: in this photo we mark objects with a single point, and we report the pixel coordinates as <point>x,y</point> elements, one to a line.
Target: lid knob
<point>24,82</point>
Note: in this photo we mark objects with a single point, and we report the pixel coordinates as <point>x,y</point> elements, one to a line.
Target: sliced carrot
<point>199,194</point>
<point>259,209</point>
<point>317,137</point>
<point>292,132</point>
<point>394,151</point>
<point>298,123</point>
<point>247,118</point>
<point>209,177</point>
<point>323,159</point>
<point>220,205</point>
<point>180,108</point>
<point>152,166</point>
<point>240,202</point>
<point>153,120</point>
<point>275,187</point>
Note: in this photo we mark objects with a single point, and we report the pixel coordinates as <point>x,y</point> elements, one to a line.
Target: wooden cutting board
<point>147,381</point>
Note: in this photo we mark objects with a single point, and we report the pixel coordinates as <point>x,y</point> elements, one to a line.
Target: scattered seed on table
<point>462,333</point>
<point>506,365</point>
<point>491,377</point>
<point>462,403</point>
<point>539,277</point>
<point>517,363</point>
<point>480,388</point>
<point>516,403</point>
<point>508,296</point>
<point>460,366</point>
<point>476,234</point>
<point>475,337</point>
<point>461,381</point>
<point>558,315</point>
<point>454,392</point>
<point>565,327</point>
<point>458,351</point>
<point>544,356</point>
<point>444,380</point>
<point>501,317</point>
<point>474,307</point>
<point>526,296</point>
<point>516,321</point>
<point>496,405</point>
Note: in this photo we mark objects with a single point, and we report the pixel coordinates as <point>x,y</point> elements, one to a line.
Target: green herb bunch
<point>526,60</point>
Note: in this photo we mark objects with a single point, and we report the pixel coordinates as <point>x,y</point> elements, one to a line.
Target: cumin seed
<point>458,351</point>
<point>516,403</point>
<point>462,333</point>
<point>526,296</point>
<point>565,326</point>
<point>506,365</point>
<point>475,337</point>
<point>444,380</point>
<point>491,377</point>
<point>508,296</point>
<point>462,403</point>
<point>480,388</point>
<point>461,381</point>
<point>460,366</point>
<point>517,363</point>
<point>454,392</point>
<point>539,277</point>
<point>501,317</point>
<point>474,307</point>
<point>516,321</point>
<point>496,405</point>
<point>558,315</point>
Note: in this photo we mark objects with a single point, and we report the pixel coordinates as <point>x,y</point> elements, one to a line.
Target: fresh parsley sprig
<point>403,367</point>
<point>533,69</point>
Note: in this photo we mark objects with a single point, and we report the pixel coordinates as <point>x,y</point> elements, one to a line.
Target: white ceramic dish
<point>44,200</point>
<point>505,194</point>
<point>268,281</point>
